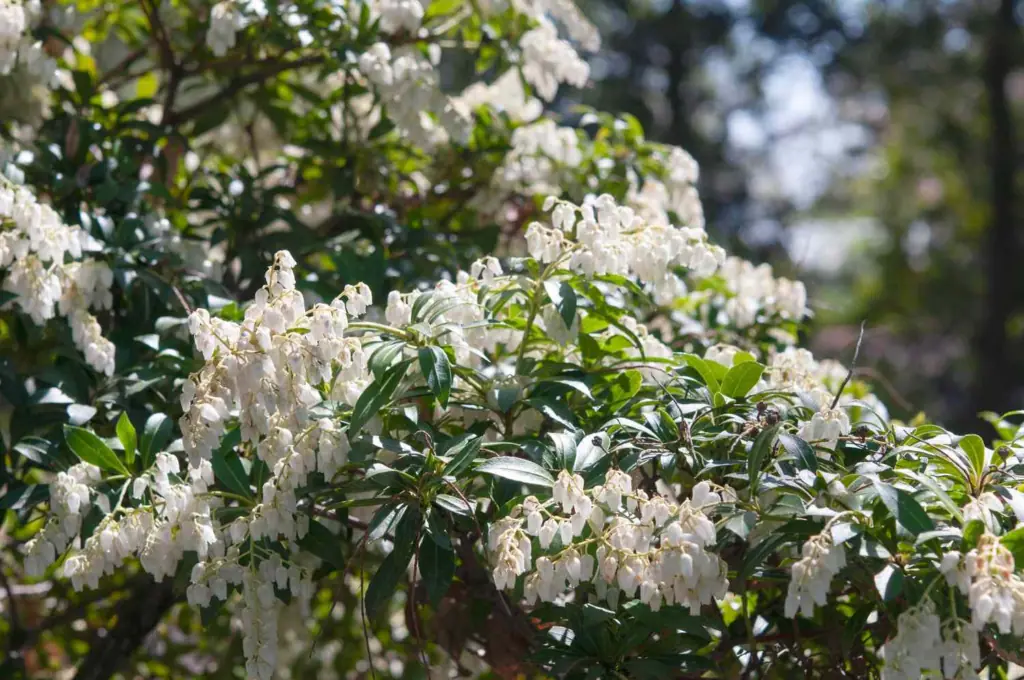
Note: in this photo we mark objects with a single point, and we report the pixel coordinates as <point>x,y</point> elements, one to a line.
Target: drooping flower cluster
<point>541,156</point>
<point>917,646</point>
<point>756,290</point>
<point>34,244</point>
<point>12,27</point>
<point>70,500</point>
<point>675,192</point>
<point>601,237</point>
<point>812,574</point>
<point>17,46</point>
<point>627,543</point>
<point>987,576</point>
<point>227,18</point>
<point>408,83</point>
<point>549,61</point>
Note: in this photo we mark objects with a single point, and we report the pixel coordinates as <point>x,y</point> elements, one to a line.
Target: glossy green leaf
<point>376,395</point>
<point>517,469</point>
<point>741,378</point>
<point>91,449</point>
<point>805,456</point>
<point>907,511</point>
<point>437,565</point>
<point>126,434</point>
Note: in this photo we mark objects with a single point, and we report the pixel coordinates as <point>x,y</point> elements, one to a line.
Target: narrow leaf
<point>759,452</point>
<point>437,565</point>
<point>129,440</point>
<point>375,396</point>
<point>155,436</point>
<point>91,449</point>
<point>801,450</point>
<point>907,511</point>
<point>517,469</point>
<point>228,468</point>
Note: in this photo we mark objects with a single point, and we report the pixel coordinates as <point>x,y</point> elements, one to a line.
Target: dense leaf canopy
<point>331,347</point>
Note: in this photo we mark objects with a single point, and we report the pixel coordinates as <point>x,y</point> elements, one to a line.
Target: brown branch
<point>1004,654</point>
<point>238,84</point>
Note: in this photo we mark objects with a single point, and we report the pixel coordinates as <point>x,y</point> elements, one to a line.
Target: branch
<point>237,85</point>
<point>853,365</point>
<point>1004,654</point>
<point>135,617</point>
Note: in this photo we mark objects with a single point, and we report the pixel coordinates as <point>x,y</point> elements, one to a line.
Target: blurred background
<point>871,148</point>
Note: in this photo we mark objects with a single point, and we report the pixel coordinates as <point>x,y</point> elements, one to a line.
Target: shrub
<point>295,333</point>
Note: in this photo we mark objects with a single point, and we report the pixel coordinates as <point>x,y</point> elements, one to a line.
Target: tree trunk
<point>994,376</point>
<point>136,617</point>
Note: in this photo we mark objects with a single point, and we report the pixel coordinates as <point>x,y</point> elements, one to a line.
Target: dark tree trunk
<point>993,377</point>
<point>136,617</point>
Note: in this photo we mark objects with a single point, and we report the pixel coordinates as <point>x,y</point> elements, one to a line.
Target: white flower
<point>916,647</point>
<point>812,575</point>
<point>225,22</point>
<point>826,427</point>
<point>549,61</point>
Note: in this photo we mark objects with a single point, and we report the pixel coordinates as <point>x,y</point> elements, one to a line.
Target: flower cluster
<point>34,244</point>
<point>70,499</point>
<point>987,576</point>
<point>923,645</point>
<point>601,237</point>
<point>917,646</point>
<point>227,18</point>
<point>812,574</point>
<point>627,543</point>
<point>549,61</point>
<point>756,290</point>
<point>408,83</point>
<point>675,192</point>
<point>17,46</point>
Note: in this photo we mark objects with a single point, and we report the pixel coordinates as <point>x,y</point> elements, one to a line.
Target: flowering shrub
<point>375,367</point>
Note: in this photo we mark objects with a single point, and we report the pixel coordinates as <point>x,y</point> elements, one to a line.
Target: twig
<point>1004,654</point>
<point>853,365</point>
<point>237,85</point>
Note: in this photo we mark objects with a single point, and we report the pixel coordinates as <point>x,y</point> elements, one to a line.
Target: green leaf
<point>146,86</point>
<point>91,449</point>
<point>437,565</point>
<point>974,447</point>
<point>228,468</point>
<point>705,370</point>
<point>1014,542</point>
<point>323,543</point>
<point>517,469</point>
<point>21,495</point>
<point>907,511</point>
<point>391,571</point>
<point>972,532</point>
<point>801,450</point>
<point>385,582</point>
<point>384,356</point>
<point>590,450</point>
<point>564,298</point>
<point>376,395</point>
<point>155,436</point>
<point>126,433</point>
<point>438,372</point>
<point>753,559</point>
<point>741,378</point>
<point>453,504</point>
<point>889,582</point>
<point>462,453</point>
<point>759,452</point>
